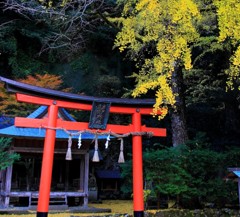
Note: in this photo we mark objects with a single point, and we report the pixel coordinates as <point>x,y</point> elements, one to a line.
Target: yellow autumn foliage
<point>50,3</point>
<point>229,25</point>
<point>169,24</point>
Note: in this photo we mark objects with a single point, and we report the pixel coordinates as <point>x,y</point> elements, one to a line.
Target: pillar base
<point>138,213</point>
<point>42,214</point>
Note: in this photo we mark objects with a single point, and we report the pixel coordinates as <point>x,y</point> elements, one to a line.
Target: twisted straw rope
<point>96,132</point>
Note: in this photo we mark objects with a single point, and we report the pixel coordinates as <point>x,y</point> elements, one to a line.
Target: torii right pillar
<point>138,194</point>
<point>138,202</point>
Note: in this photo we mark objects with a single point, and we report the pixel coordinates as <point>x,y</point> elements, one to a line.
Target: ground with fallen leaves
<point>117,207</point>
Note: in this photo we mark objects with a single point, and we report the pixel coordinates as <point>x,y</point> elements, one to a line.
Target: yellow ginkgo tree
<point>169,25</point>
<point>228,12</point>
<point>157,34</point>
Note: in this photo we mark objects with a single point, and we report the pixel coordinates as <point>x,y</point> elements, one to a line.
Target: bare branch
<point>69,23</point>
<point>7,23</point>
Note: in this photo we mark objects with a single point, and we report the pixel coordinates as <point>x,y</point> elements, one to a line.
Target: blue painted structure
<point>237,173</point>
<point>6,121</point>
<point>7,127</point>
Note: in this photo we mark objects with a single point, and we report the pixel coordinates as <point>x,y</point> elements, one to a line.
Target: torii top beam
<point>19,87</point>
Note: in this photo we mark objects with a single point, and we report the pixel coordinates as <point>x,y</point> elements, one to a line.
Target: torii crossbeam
<point>57,99</point>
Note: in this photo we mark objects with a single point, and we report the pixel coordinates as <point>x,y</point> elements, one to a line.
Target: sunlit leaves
<point>229,26</point>
<point>234,70</point>
<point>169,26</point>
<point>228,19</point>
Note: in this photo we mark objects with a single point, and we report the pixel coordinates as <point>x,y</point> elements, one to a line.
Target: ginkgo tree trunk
<point>177,113</point>
<point>157,34</point>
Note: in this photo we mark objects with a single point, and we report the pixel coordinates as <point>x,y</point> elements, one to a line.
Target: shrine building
<point>19,183</point>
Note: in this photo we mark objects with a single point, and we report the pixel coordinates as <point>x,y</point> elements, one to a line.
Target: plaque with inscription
<point>99,115</point>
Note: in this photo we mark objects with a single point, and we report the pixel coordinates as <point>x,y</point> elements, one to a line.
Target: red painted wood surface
<point>47,161</point>
<point>138,202</point>
<point>81,106</point>
<point>78,126</point>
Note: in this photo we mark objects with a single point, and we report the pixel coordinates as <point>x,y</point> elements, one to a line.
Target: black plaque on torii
<point>99,115</point>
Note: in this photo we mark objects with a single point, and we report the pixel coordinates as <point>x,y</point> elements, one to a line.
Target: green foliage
<point>8,45</point>
<point>199,142</point>
<point>192,172</point>
<point>206,81</point>
<point>204,165</point>
<point>82,63</point>
<point>207,26</point>
<point>232,157</point>
<point>96,75</point>
<point>19,46</point>
<point>194,213</point>
<point>23,65</point>
<point>6,156</point>
<point>221,193</point>
<point>163,169</point>
<point>126,186</point>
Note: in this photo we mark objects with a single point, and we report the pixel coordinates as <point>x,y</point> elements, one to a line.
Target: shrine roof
<point>8,129</point>
<point>6,121</point>
<point>19,87</point>
<point>235,171</point>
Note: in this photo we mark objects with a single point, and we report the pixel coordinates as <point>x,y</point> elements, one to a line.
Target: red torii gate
<point>57,99</point>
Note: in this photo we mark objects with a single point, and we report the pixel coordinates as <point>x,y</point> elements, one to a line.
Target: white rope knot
<point>121,155</point>
<point>69,151</point>
<point>95,155</point>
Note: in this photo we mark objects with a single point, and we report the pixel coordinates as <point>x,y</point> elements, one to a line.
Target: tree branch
<point>68,24</point>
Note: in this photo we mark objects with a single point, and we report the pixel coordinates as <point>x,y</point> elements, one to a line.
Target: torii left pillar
<point>52,122</point>
<point>47,162</point>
